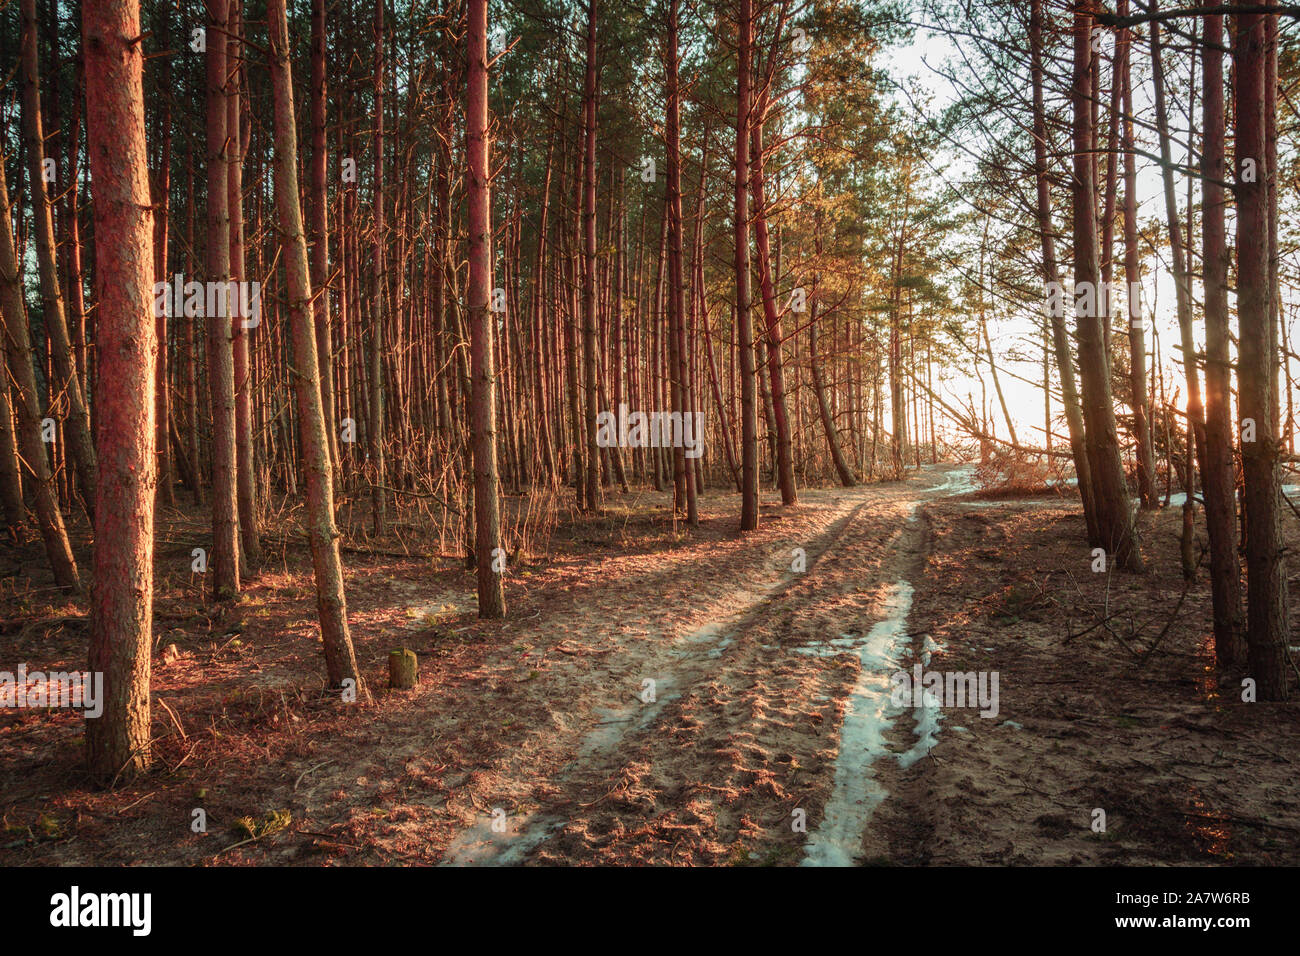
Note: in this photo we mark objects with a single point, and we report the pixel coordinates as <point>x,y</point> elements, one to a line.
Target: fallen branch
<point>307,771</point>
<point>1168,624</point>
<point>327,838</point>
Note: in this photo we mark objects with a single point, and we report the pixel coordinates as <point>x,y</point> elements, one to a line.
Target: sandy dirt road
<point>659,697</point>
<point>653,696</point>
<point>748,733</point>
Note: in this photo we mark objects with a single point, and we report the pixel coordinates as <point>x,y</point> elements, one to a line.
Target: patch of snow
<point>927,648</point>
<point>481,844</point>
<point>856,792</point>
<point>927,734</point>
<point>958,481</point>
<point>722,645</point>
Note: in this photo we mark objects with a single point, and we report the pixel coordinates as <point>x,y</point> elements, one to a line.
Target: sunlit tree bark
<point>121,607</point>
<point>241,327</point>
<point>322,535</point>
<point>744,317</point>
<point>1114,517</point>
<point>487,518</point>
<point>223,564</point>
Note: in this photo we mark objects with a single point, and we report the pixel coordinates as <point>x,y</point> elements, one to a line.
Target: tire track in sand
<point>743,730</point>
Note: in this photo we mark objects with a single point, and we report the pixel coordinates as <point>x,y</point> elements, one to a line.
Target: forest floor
<point>657,696</point>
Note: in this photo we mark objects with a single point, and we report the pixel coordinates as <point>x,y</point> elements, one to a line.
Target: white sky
<point>1022,331</point>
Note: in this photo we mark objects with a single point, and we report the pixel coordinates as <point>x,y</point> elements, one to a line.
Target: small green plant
<point>273,822</point>
<point>49,826</point>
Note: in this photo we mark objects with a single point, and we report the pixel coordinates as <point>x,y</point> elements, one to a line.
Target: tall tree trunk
<point>897,394</point>
<point>162,210</point>
<point>590,358</point>
<point>723,426</point>
<point>1182,281</point>
<point>1114,518</point>
<point>1267,614</point>
<point>656,329</point>
<point>322,535</point>
<point>744,317</point>
<point>121,609</point>
<point>70,229</point>
<point>1146,467</point>
<point>224,560</point>
<point>828,420</point>
<point>240,327</point>
<point>52,312</point>
<point>684,490</point>
<point>775,366</point>
<point>1051,273</point>
<point>18,348</point>
<point>988,343</point>
<point>1217,473</point>
<point>572,367</point>
<point>320,254</point>
<point>487,502</point>
<point>616,321</point>
<point>536,323</point>
<point>374,433</point>
<point>11,482</point>
<point>1271,162</point>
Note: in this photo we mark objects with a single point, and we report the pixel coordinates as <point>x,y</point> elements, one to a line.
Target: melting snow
<point>856,792</point>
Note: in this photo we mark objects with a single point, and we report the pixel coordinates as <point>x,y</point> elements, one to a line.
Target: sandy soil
<point>1120,719</point>
<point>541,739</point>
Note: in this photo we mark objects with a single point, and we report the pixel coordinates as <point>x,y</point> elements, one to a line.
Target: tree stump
<point>402,669</point>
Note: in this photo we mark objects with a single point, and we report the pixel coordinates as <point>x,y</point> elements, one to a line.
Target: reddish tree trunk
<point>744,318</point>
<point>121,610</point>
<point>322,535</point>
<point>320,254</point>
<point>489,555</point>
<point>11,482</point>
<point>683,484</point>
<point>18,347</point>
<point>223,562</point>
<point>240,328</point>
<point>374,433</point>
<point>775,365</point>
<point>162,208</point>
<point>69,382</point>
<point>592,482</point>
<point>823,406</point>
